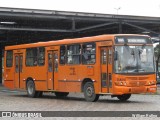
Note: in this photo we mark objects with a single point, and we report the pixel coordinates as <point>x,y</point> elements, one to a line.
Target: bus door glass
<point>18,70</point>
<point>106,69</point>
<point>52,69</point>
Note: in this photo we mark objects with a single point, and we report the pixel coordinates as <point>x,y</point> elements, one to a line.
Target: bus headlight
<point>125,83</point>
<point>121,83</point>
<point>151,83</point>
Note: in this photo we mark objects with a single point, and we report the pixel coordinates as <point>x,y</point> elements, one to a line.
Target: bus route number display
<point>133,40</point>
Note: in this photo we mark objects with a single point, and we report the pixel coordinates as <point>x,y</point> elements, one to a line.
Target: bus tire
<point>61,94</point>
<point>31,91</point>
<point>89,92</point>
<point>124,97</point>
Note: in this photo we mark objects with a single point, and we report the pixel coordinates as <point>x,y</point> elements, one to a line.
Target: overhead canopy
<point>30,25</point>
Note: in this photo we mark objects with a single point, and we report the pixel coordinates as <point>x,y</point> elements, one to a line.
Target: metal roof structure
<point>31,25</point>
<point>19,26</point>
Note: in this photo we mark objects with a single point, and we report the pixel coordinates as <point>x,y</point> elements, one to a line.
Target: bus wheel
<point>61,94</point>
<point>89,92</point>
<point>31,89</point>
<point>124,97</point>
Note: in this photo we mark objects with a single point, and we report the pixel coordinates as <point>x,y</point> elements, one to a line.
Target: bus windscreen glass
<point>134,59</point>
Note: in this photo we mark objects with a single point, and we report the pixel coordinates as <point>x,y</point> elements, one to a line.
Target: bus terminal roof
<point>22,26</point>
<point>19,26</point>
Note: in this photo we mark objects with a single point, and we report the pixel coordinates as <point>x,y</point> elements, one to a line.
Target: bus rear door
<point>52,69</point>
<point>18,70</point>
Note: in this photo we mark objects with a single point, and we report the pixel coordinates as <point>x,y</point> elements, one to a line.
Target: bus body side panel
<point>91,72</point>
<point>8,75</point>
<point>71,77</point>
<point>68,78</point>
<point>38,74</point>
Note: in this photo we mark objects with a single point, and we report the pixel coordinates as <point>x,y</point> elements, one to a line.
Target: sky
<point>122,7</point>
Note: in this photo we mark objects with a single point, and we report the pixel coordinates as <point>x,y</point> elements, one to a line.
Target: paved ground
<point>18,101</point>
<point>15,100</point>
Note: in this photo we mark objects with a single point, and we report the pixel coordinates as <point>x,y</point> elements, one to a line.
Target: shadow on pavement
<point>23,93</point>
<point>70,98</point>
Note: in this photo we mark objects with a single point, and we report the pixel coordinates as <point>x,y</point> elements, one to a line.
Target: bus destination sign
<point>133,40</point>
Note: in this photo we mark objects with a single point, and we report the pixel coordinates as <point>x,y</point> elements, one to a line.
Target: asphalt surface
<point>19,101</point>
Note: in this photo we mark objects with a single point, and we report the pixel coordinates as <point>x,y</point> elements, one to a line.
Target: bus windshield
<point>134,59</point>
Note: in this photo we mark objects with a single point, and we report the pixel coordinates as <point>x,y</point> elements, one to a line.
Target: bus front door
<point>52,69</point>
<point>18,70</point>
<point>106,69</point>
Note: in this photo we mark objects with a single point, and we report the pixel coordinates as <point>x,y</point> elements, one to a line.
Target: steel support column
<point>120,27</point>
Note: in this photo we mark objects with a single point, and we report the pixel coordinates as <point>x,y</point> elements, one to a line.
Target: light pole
<point>117,9</point>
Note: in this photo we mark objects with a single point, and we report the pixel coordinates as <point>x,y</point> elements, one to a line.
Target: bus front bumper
<point>119,90</point>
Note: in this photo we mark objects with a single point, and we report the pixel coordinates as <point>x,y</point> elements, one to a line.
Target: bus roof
<point>70,41</point>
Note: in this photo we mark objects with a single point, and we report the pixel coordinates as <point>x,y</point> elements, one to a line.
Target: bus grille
<point>137,78</point>
<point>137,81</point>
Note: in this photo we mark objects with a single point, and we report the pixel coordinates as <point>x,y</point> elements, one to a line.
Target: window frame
<point>62,55</point>
<point>87,43</point>
<point>75,54</point>
<point>10,58</point>
<point>33,57</point>
<point>39,57</point>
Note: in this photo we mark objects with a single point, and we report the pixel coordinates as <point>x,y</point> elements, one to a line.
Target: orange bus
<point>117,65</point>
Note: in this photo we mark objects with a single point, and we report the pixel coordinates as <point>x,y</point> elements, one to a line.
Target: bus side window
<point>31,57</point>
<point>73,54</point>
<point>41,56</point>
<point>89,53</point>
<point>9,58</point>
<point>62,54</point>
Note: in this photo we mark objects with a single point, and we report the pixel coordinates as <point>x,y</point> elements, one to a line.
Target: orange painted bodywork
<point>69,78</point>
<point>135,84</point>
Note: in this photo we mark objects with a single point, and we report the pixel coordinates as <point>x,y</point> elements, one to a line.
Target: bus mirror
<point>115,55</point>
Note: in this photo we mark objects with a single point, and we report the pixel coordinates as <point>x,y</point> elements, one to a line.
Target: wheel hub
<point>30,88</point>
<point>89,91</point>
